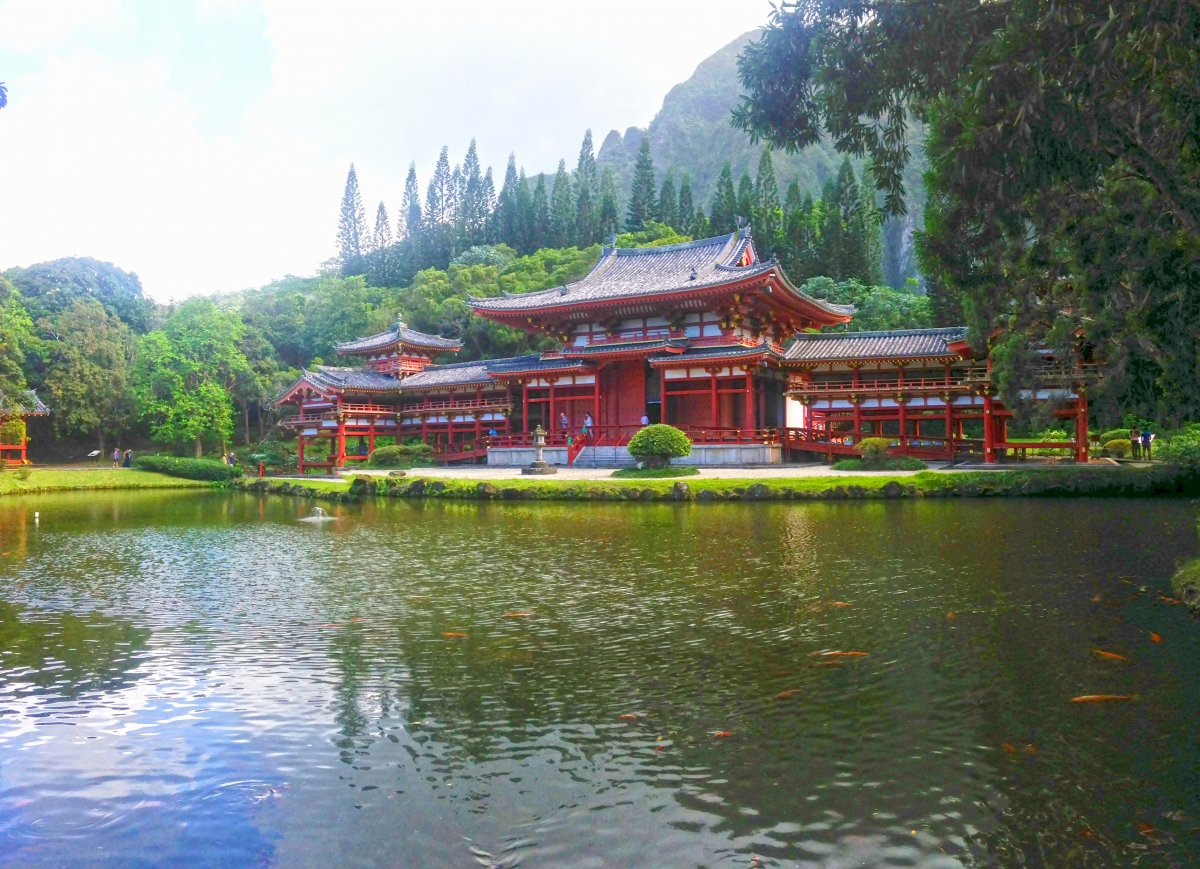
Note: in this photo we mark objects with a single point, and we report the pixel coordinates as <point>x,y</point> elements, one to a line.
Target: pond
<point>205,679</point>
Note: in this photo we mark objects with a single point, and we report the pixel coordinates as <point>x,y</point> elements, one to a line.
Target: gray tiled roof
<point>457,374</point>
<point>351,379</point>
<point>727,351</point>
<point>912,343</point>
<point>23,403</point>
<point>398,334</point>
<point>538,363</point>
<point>617,347</point>
<point>634,272</point>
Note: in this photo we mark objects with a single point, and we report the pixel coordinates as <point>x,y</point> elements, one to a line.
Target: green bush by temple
<point>657,444</point>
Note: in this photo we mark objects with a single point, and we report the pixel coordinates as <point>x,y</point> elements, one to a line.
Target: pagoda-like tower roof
<point>687,275</point>
<point>399,336</point>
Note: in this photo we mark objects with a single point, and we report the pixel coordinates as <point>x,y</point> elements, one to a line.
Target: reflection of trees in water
<point>67,652</point>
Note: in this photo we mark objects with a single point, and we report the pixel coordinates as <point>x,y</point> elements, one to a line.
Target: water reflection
<point>604,685</point>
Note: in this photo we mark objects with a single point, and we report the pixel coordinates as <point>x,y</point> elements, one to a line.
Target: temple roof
<point>626,273</point>
<point>899,344</point>
<point>613,347</point>
<point>455,374</point>
<point>398,334</point>
<point>329,378</point>
<point>23,403</point>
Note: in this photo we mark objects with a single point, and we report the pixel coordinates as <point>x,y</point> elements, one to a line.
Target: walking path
<point>765,472</point>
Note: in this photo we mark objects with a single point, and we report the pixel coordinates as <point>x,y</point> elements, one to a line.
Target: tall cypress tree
<point>587,193</point>
<point>472,211</point>
<point>539,235</point>
<point>487,203</point>
<point>668,203</point>
<point>352,228</point>
<point>408,222</point>
<point>562,208</point>
<point>724,206</point>
<point>642,206</point>
<point>687,210</point>
<point>610,211</point>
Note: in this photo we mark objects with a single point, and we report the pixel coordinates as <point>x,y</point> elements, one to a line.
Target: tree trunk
<point>246,420</point>
<point>199,448</point>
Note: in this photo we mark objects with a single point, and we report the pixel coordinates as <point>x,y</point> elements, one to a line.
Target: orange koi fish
<point>1146,829</point>
<point>630,716</point>
<point>1155,638</point>
<point>719,734</point>
<point>841,603</point>
<point>1112,656</point>
<point>1102,698</point>
<point>951,615</point>
<point>517,614</point>
<point>1030,749</point>
<point>1009,747</point>
<point>1173,601</point>
<point>454,634</point>
<point>786,693</point>
<point>330,625</point>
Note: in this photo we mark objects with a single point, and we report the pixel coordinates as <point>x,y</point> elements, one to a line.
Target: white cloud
<point>106,154</point>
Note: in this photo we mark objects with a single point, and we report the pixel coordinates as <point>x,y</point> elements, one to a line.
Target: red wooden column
<point>300,450</point>
<point>341,441</point>
<point>552,426</point>
<point>948,400</point>
<point>748,418</point>
<point>662,394</point>
<point>524,405</point>
<point>371,437</point>
<point>596,399</point>
<point>714,402</point>
<point>1081,429</point>
<point>902,404</point>
<point>856,380</point>
<point>989,432</point>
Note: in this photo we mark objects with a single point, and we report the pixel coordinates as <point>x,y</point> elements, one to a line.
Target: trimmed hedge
<point>874,451</point>
<point>1182,451</point>
<point>1116,434</point>
<point>190,469</point>
<point>399,455</point>
<point>1119,447</point>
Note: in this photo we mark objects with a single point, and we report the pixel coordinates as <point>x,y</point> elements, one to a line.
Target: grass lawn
<point>656,473</point>
<point>41,480</point>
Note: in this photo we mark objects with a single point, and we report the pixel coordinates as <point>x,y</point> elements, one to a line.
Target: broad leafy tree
<point>185,374</point>
<point>89,357</point>
<point>50,287</point>
<point>1064,141</point>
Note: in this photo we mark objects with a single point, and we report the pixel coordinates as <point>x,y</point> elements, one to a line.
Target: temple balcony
<point>468,404</point>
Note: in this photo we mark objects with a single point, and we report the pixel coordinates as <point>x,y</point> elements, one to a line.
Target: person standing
<point>128,460</point>
<point>233,458</point>
<point>587,424</point>
<point>1135,441</point>
<point>645,420</point>
<point>1147,442</point>
<point>116,457</point>
<point>562,422</point>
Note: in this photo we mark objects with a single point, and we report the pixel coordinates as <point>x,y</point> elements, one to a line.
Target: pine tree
<point>539,235</point>
<point>767,217</point>
<point>745,197</point>
<point>472,213</point>
<point>505,216</point>
<point>522,240</point>
<point>382,237</point>
<point>610,210</point>
<point>723,210</point>
<point>668,203</point>
<point>408,222</point>
<point>352,228</point>
<point>687,210</point>
<point>562,208</point>
<point>587,192</point>
<point>642,206</point>
<point>486,203</point>
<point>440,196</point>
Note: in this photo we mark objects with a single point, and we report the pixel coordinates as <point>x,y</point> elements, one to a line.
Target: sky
<point>204,144</point>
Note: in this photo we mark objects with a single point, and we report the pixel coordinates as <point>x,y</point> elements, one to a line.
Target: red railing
<point>453,404</point>
<point>369,409</point>
<point>619,435</point>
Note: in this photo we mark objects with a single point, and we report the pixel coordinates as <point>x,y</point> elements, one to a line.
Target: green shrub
<point>658,444</point>
<point>1182,451</point>
<point>12,431</point>
<point>400,455</point>
<point>874,451</point>
<point>190,469</point>
<point>1115,435</point>
<point>1118,447</point>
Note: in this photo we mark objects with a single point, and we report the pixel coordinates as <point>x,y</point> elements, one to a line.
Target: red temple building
<point>14,442</point>
<point>704,336</point>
